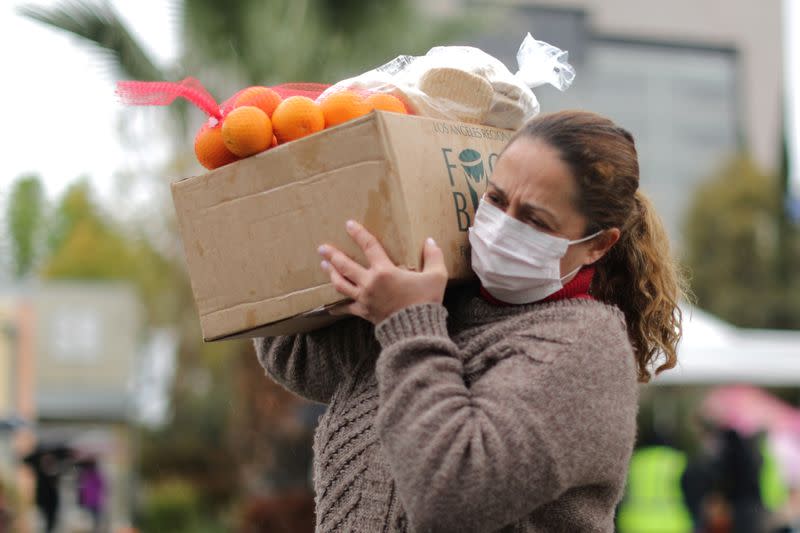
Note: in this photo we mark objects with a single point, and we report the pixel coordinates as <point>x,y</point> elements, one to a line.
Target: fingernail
<point>325,266</point>
<point>322,250</point>
<point>351,224</point>
<point>430,241</point>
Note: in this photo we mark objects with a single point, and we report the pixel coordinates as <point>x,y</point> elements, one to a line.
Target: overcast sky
<point>60,108</point>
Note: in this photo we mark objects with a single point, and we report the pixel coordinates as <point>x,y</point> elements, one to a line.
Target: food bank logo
<point>470,167</point>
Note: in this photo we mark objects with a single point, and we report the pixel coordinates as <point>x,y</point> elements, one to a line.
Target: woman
<point>510,405</point>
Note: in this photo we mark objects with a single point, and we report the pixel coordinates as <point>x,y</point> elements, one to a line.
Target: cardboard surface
<point>251,229</point>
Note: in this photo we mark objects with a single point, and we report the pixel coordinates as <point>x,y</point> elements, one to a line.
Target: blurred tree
<point>306,40</point>
<point>267,413</point>
<point>74,207</point>
<point>83,244</point>
<point>24,218</point>
<point>733,249</point>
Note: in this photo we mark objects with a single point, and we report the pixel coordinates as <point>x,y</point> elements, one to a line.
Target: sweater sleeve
<point>312,365</point>
<point>478,458</point>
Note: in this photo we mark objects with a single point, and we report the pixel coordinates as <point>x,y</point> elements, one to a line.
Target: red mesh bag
<point>212,145</point>
<point>164,93</point>
<point>311,90</point>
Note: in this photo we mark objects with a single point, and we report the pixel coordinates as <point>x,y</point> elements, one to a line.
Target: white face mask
<point>515,262</point>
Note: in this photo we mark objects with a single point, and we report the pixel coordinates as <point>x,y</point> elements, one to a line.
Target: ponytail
<point>640,277</point>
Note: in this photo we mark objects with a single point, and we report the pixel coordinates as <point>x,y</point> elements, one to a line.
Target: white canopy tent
<point>715,352</point>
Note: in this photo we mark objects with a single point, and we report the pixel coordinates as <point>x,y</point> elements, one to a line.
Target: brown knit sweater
<point>495,418</point>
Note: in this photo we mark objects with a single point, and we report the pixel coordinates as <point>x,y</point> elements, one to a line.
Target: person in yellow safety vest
<point>774,491</point>
<point>654,501</point>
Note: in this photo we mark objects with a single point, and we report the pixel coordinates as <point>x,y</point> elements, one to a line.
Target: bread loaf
<point>466,96</point>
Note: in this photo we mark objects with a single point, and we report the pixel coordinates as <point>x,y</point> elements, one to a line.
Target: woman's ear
<point>602,244</point>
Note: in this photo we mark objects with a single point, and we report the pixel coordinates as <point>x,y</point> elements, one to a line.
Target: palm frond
<point>100,25</point>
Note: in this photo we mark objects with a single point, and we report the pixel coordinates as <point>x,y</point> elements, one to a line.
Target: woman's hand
<point>383,288</point>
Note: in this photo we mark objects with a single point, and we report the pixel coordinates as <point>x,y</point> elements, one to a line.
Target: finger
<point>368,243</point>
<point>347,267</point>
<point>342,285</point>
<point>326,251</point>
<point>433,257</point>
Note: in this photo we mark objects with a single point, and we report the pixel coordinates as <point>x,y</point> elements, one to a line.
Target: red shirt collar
<point>577,287</point>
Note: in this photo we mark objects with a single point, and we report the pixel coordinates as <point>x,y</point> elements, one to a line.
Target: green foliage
<point>306,40</point>
<point>74,207</point>
<point>194,445</point>
<point>175,506</point>
<point>735,251</point>
<point>25,210</point>
<point>83,244</point>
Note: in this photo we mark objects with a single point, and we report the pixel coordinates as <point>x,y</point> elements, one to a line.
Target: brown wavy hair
<point>638,274</point>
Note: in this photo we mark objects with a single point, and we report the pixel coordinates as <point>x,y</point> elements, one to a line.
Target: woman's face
<point>532,184</point>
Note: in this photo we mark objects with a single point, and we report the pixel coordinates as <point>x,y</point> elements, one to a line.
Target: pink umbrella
<point>748,410</point>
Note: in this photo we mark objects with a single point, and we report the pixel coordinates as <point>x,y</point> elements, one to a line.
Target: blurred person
<point>48,468</point>
<point>91,491</point>
<point>700,477</point>
<point>740,466</point>
<point>784,450</point>
<point>509,404</point>
<point>775,491</point>
<point>654,500</point>
<point>727,477</point>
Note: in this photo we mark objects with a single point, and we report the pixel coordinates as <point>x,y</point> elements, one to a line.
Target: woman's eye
<point>538,224</point>
<point>493,198</point>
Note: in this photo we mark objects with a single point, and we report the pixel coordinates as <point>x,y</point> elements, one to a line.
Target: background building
<point>70,353</point>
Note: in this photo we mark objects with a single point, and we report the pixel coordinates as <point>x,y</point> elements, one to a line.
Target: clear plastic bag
<point>467,84</point>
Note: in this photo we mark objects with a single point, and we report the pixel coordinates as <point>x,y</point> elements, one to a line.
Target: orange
<point>263,98</point>
<point>343,106</point>
<point>296,117</point>
<point>386,102</point>
<point>210,148</point>
<point>247,130</point>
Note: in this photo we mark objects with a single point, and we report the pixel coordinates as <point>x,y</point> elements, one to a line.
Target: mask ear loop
<point>584,239</point>
<point>562,278</point>
<point>587,238</point>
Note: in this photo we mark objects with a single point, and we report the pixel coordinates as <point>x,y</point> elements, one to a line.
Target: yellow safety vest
<point>654,501</point>
<point>773,489</point>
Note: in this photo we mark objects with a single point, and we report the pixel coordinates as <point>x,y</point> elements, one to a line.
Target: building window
<point>75,335</point>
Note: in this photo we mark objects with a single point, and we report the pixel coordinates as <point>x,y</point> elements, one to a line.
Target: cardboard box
<point>251,229</point>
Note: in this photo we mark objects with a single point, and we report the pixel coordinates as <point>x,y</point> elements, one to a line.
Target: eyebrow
<point>526,206</point>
